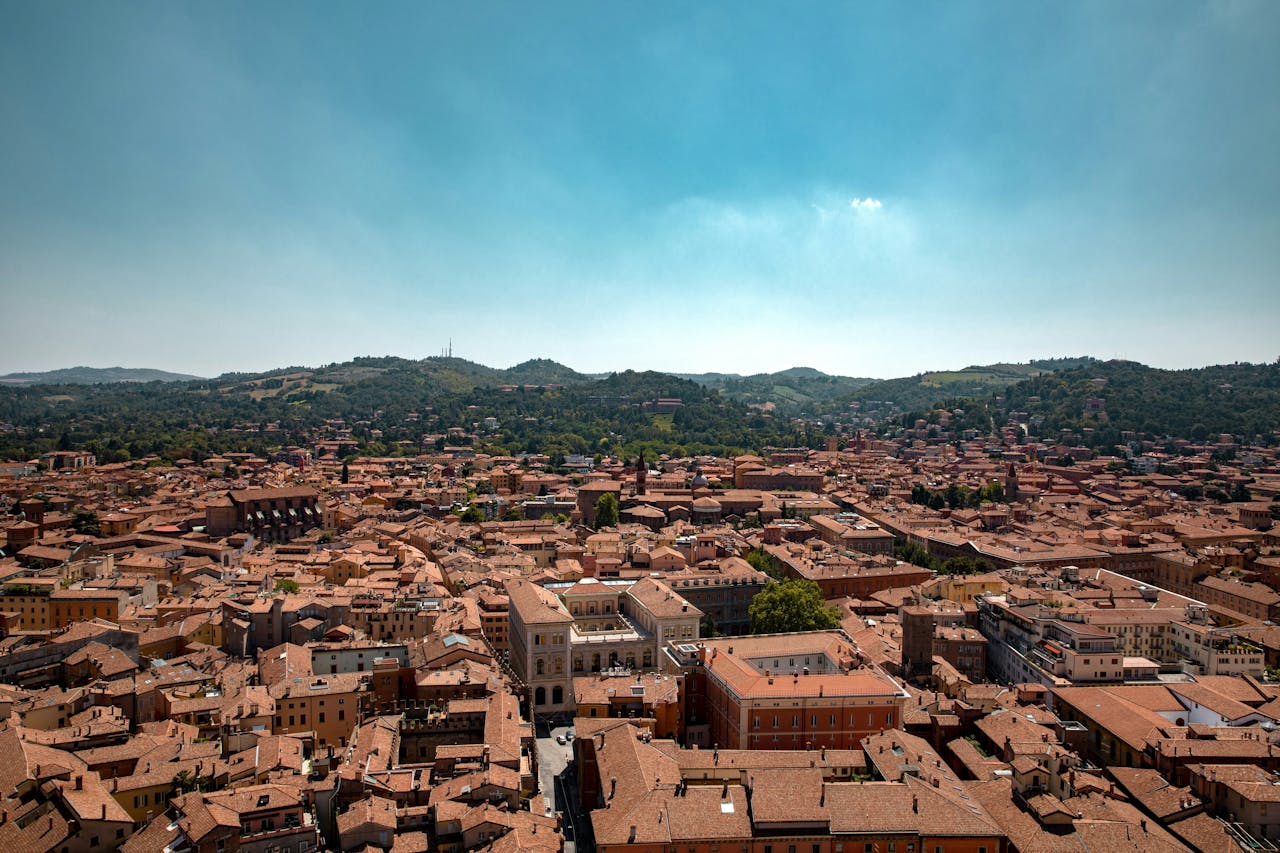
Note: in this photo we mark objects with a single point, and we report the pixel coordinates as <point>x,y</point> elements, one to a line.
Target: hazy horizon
<point>867,190</point>
<point>686,371</point>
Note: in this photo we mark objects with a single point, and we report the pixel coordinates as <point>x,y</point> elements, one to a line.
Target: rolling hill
<point>94,376</point>
<point>1198,404</point>
<point>924,390</point>
<point>797,390</point>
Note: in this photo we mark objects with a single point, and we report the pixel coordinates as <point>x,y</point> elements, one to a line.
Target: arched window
<point>540,696</point>
<point>557,695</point>
<point>595,662</point>
<point>538,666</point>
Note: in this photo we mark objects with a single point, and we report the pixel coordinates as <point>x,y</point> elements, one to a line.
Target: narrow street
<point>557,780</point>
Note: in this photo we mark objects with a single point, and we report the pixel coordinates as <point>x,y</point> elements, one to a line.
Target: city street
<point>557,780</point>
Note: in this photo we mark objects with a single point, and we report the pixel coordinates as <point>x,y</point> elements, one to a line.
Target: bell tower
<point>1011,483</point>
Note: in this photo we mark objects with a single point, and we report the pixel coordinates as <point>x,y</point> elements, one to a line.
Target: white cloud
<point>867,203</point>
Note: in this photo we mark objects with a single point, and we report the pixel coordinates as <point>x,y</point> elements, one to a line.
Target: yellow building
<point>964,589</point>
<point>29,598</point>
<point>327,705</point>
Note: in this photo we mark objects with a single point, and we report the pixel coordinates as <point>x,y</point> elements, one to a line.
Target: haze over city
<point>868,190</point>
<point>575,427</point>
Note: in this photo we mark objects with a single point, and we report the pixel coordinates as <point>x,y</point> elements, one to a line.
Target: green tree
<point>512,513</point>
<point>186,782</point>
<point>346,474</point>
<point>1191,491</point>
<point>910,552</point>
<point>761,561</point>
<point>708,628</point>
<point>993,491</point>
<point>789,606</point>
<point>964,566</point>
<point>286,585</point>
<point>85,521</point>
<point>606,511</point>
<point>472,515</point>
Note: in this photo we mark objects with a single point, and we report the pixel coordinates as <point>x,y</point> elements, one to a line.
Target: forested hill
<point>94,376</point>
<point>1241,399</point>
<point>924,390</point>
<point>447,372</point>
<point>385,401</point>
<point>794,391</point>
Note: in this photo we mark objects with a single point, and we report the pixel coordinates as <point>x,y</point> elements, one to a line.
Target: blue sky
<point>871,189</point>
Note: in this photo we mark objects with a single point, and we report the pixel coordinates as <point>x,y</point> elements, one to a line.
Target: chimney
<point>915,804</point>
<point>613,789</point>
<point>79,782</point>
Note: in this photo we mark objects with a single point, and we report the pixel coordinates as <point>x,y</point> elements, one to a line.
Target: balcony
<point>303,822</point>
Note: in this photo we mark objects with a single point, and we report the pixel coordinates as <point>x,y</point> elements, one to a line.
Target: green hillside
<point>391,404</point>
<point>795,391</point>
<point>1241,399</point>
<point>924,390</point>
